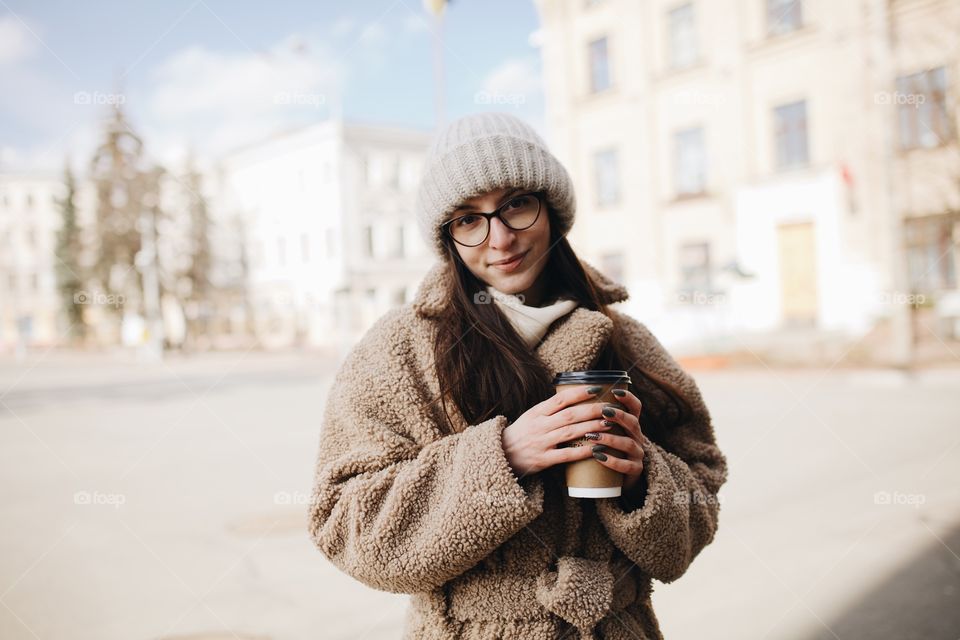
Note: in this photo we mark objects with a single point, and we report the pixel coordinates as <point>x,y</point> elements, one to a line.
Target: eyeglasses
<point>518,213</point>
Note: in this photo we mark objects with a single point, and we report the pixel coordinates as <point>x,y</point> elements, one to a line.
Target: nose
<point>501,235</point>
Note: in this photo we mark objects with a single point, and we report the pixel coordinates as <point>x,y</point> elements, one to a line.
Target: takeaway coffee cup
<point>589,478</point>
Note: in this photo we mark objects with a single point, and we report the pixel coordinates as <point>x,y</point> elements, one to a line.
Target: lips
<point>510,259</point>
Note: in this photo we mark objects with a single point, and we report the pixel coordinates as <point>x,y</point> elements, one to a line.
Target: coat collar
<point>434,290</point>
<point>571,344</point>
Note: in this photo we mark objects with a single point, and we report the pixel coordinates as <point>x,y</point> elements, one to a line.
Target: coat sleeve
<point>683,472</point>
<point>396,504</point>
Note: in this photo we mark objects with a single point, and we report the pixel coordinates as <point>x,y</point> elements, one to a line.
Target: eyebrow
<point>509,193</point>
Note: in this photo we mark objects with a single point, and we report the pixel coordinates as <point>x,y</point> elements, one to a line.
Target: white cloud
<point>515,76</point>
<point>217,101</point>
<point>16,42</point>
<point>515,85</point>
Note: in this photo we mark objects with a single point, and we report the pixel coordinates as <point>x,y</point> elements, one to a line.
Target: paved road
<point>168,502</point>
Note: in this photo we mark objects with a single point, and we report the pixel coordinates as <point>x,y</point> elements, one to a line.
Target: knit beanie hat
<point>482,152</point>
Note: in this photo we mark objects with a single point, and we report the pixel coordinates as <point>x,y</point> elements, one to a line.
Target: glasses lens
<point>521,212</point>
<point>469,229</point>
<point>518,213</point>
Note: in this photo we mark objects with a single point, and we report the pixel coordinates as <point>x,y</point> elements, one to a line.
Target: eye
<point>519,202</point>
<point>464,221</point>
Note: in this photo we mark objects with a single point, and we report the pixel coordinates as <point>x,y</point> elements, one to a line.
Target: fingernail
<point>594,390</point>
<point>608,412</point>
<point>591,436</point>
<point>607,423</point>
<point>599,456</point>
<point>619,393</point>
<point>599,447</point>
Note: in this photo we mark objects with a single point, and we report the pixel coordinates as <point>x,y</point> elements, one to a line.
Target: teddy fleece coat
<point>404,506</point>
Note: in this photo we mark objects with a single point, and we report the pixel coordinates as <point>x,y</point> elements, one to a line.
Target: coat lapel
<point>571,344</point>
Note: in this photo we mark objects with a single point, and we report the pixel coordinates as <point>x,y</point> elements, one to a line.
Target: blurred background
<point>204,204</point>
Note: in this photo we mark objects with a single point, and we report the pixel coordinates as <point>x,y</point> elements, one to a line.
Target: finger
<point>623,465</point>
<point>567,454</point>
<point>574,431</point>
<point>627,420</point>
<point>577,413</point>
<point>623,444</point>
<point>630,401</point>
<point>567,397</point>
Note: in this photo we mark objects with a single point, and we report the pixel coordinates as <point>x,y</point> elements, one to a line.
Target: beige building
<point>745,165</point>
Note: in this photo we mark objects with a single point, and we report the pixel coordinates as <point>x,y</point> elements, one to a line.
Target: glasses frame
<point>496,214</point>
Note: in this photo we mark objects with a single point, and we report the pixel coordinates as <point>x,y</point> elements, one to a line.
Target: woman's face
<point>503,243</point>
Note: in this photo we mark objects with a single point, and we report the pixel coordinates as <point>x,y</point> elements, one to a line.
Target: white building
<point>29,219</point>
<point>330,232</point>
<point>745,166</point>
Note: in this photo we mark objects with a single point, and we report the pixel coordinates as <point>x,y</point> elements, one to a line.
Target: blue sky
<point>211,75</point>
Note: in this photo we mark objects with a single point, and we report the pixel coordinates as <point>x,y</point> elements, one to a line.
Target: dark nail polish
<point>594,390</point>
<point>608,412</point>
<point>599,456</point>
<point>607,423</point>
<point>619,393</point>
<point>599,447</point>
<point>591,436</point>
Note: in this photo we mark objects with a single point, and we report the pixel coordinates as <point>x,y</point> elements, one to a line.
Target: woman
<point>438,472</point>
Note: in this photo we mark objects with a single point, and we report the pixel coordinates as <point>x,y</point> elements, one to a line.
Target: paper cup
<point>589,478</point>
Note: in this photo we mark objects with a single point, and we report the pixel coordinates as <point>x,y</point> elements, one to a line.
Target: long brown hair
<point>486,368</point>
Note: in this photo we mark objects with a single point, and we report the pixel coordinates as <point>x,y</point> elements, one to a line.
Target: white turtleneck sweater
<point>530,322</point>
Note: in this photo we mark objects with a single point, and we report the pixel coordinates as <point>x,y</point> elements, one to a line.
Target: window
<point>932,247</point>
<point>409,173</point>
<point>364,163</point>
<point>690,162</point>
<point>400,246</point>
<point>331,236</point>
<point>304,248</point>
<point>683,37</point>
<point>921,100</point>
<point>599,66</point>
<point>368,241</point>
<point>784,16</point>
<point>695,267</point>
<point>790,133</point>
<point>606,177</point>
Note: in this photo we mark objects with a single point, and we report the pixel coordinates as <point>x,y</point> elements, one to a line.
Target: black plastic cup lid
<point>594,376</point>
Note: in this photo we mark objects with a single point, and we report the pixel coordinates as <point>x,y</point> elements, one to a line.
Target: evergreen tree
<point>70,282</point>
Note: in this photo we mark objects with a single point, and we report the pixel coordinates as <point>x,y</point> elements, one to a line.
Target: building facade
<point>327,213</point>
<point>754,167</point>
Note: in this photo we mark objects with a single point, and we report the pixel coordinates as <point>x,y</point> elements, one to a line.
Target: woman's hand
<point>530,443</point>
<point>629,457</point>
